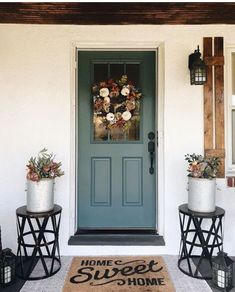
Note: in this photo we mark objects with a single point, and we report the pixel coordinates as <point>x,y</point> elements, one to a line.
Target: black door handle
<point>151,150</point>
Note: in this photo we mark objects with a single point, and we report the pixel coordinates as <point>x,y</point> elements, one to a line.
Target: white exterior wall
<point>36,111</point>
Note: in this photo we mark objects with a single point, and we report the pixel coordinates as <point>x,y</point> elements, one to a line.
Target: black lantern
<point>197,68</point>
<point>222,271</point>
<point>0,240</point>
<point>7,267</point>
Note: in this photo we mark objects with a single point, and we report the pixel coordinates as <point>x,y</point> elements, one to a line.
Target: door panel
<point>101,181</point>
<point>132,182</point>
<point>115,188</point>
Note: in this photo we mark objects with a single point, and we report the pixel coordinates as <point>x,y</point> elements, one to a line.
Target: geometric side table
<point>201,235</point>
<point>38,243</point>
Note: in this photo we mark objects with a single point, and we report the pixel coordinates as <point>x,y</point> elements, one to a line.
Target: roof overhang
<point>118,13</point>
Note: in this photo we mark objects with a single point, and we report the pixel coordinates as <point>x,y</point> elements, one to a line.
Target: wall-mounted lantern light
<point>197,68</point>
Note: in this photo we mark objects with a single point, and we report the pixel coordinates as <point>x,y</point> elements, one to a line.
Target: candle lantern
<point>7,267</point>
<point>0,240</point>
<point>222,271</point>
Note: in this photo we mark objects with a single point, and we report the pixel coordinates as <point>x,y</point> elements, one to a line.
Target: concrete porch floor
<point>182,282</point>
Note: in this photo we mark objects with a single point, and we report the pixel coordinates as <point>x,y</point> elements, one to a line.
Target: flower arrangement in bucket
<point>202,173</point>
<point>42,171</point>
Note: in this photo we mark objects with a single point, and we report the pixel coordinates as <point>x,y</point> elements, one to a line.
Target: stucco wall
<point>36,111</point>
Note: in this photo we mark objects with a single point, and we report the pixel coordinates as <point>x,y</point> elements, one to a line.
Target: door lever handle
<point>151,150</point>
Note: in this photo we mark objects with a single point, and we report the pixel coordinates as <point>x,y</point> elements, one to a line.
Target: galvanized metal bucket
<point>40,195</point>
<point>201,194</point>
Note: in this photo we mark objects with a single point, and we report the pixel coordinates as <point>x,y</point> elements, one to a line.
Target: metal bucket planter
<point>40,195</point>
<point>201,194</point>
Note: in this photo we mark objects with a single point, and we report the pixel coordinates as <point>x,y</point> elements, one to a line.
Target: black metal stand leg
<point>37,248</point>
<point>20,232</point>
<point>204,243</point>
<point>43,237</point>
<point>184,233</point>
<point>56,243</point>
<point>218,240</point>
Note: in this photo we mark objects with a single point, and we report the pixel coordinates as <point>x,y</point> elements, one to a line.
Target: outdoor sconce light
<point>222,271</point>
<point>197,68</point>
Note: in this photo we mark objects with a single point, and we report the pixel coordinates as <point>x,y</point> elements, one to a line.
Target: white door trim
<point>159,113</point>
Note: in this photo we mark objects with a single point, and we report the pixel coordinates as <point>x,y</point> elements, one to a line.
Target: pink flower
<point>33,176</point>
<point>98,104</point>
<point>195,168</point>
<point>103,84</point>
<point>46,168</point>
<point>130,105</point>
<point>110,82</point>
<point>114,93</point>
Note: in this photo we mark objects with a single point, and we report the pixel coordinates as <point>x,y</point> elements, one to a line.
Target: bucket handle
<point>187,187</point>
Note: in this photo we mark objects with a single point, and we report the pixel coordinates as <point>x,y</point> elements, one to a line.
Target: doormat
<point>119,274</point>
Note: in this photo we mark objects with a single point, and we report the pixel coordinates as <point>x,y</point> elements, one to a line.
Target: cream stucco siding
<point>37,110</point>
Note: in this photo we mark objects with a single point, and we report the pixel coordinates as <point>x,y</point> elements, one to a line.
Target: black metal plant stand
<point>38,243</point>
<point>201,235</point>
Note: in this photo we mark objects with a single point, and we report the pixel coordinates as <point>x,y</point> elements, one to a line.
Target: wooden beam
<point>215,152</point>
<point>118,13</point>
<point>219,101</point>
<point>208,97</point>
<point>211,61</point>
<point>219,96</point>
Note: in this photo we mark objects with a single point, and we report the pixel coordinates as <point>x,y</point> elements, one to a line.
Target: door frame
<point>159,122</point>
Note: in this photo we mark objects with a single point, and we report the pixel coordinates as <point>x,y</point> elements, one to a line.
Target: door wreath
<point>116,102</point>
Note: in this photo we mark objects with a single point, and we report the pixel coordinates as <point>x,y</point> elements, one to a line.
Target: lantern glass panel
<point>198,76</point>
<point>221,279</point>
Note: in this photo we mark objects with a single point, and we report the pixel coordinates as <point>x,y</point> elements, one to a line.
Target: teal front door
<point>116,107</point>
